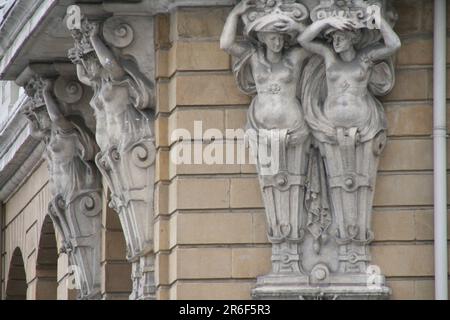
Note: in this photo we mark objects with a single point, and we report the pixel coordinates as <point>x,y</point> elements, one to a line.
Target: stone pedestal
<point>343,287</point>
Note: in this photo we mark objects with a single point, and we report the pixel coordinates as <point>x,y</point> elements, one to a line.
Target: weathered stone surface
<point>250,262</point>
<point>198,23</point>
<point>119,64</point>
<point>404,260</point>
<point>197,56</point>
<point>211,290</point>
<point>75,182</point>
<point>214,228</point>
<point>245,193</point>
<point>325,142</point>
<point>411,84</point>
<point>199,193</point>
<point>194,90</point>
<point>200,263</point>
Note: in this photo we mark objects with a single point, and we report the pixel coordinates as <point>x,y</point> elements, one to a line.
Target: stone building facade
<point>208,227</point>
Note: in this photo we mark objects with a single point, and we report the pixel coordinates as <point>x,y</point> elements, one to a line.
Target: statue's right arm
<point>53,109</point>
<point>228,41</point>
<point>307,40</point>
<point>105,55</point>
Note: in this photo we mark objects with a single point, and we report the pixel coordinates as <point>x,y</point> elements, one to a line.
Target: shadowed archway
<point>47,263</point>
<point>16,287</point>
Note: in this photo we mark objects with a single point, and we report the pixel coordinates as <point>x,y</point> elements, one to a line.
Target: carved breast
<point>279,73</point>
<point>352,71</point>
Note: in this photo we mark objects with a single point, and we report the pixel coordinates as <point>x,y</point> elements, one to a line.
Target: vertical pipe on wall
<point>440,151</point>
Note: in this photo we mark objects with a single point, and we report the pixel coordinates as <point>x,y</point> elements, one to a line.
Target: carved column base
<point>339,287</point>
<point>147,282</point>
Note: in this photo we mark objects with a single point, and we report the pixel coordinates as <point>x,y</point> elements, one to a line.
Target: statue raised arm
<point>105,55</point>
<point>268,67</point>
<point>56,116</point>
<point>352,66</point>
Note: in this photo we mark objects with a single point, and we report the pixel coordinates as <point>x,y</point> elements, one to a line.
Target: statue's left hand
<point>286,25</point>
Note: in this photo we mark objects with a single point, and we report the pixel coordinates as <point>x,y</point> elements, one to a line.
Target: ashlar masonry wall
<point>211,228</point>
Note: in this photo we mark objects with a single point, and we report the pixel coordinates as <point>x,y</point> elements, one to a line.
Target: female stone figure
<point>123,106</point>
<point>121,95</point>
<point>75,184</point>
<point>268,67</point>
<point>349,125</point>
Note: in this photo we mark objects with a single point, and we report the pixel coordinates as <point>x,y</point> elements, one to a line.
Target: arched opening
<point>47,263</point>
<point>16,287</point>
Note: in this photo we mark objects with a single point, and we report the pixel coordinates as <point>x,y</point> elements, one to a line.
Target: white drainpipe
<point>440,150</point>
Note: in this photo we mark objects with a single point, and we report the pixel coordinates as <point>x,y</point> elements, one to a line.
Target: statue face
<point>274,41</point>
<point>342,41</point>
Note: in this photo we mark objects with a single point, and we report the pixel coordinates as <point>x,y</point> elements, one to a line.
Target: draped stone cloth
<point>78,169</point>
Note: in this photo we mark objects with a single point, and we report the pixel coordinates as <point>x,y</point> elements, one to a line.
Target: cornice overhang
<point>20,153</point>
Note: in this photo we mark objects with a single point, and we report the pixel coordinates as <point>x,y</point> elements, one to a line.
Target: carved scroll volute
<point>68,90</point>
<point>118,33</point>
<point>112,50</point>
<point>75,97</point>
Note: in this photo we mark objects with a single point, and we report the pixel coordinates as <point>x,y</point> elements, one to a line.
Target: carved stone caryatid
<point>320,231</point>
<point>354,42</point>
<point>75,182</point>
<point>269,66</point>
<point>123,103</point>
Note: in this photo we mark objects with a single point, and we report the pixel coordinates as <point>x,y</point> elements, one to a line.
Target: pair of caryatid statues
<point>314,69</point>
<point>119,146</point>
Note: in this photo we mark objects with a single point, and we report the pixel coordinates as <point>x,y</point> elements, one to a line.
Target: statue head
<point>40,123</point>
<point>274,41</point>
<point>343,40</point>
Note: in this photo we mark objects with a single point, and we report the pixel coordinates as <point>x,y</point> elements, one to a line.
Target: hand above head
<point>243,6</point>
<point>286,25</point>
<point>342,24</point>
<point>74,55</point>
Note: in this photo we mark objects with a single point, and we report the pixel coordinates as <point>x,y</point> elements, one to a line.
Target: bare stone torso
<point>346,104</point>
<point>276,104</point>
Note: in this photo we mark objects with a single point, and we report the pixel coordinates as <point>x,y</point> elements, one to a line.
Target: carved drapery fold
<point>118,63</point>
<point>315,83</point>
<point>56,117</point>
